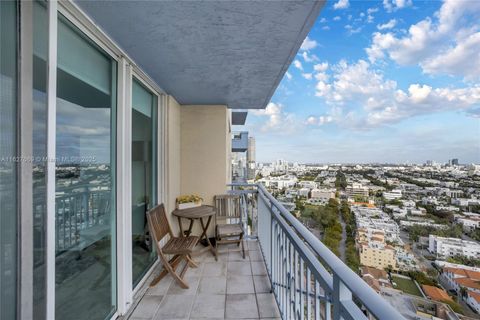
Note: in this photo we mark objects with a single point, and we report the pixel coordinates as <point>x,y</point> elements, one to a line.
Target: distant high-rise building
<point>251,158</point>
<point>455,162</point>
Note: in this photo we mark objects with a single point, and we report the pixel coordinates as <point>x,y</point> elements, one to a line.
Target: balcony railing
<point>308,280</point>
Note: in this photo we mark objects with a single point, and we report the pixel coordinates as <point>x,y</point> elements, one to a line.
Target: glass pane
<point>85,184</point>
<point>40,39</point>
<point>144,128</point>
<point>8,150</point>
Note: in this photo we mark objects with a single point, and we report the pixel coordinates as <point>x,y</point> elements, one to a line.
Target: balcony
<point>289,273</point>
<point>230,288</point>
<point>240,141</point>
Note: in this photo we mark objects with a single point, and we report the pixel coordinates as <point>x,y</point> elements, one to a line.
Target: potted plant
<point>189,201</point>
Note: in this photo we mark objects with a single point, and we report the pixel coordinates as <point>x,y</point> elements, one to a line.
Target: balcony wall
<point>199,148</point>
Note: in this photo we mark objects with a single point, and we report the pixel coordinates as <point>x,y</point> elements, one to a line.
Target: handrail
<point>374,303</point>
<point>341,277</point>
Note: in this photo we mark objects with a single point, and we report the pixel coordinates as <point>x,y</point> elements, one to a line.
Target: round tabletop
<point>195,212</point>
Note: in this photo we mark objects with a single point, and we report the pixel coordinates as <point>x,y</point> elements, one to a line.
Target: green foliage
<point>341,181</point>
<point>456,307</point>
<point>464,260</point>
<point>351,254</point>
<point>258,176</point>
<point>414,232</point>
<point>377,182</point>
<point>475,234</point>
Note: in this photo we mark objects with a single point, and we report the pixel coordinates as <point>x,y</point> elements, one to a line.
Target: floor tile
<point>147,307</point>
<point>253,245</point>
<point>237,256</point>
<point>256,255</point>
<point>241,306</point>
<point>240,284</point>
<point>267,307</point>
<point>240,268</point>
<point>213,285</point>
<point>174,307</point>
<point>215,269</point>
<point>258,268</point>
<point>192,282</point>
<point>160,288</point>
<point>208,306</point>
<point>262,284</point>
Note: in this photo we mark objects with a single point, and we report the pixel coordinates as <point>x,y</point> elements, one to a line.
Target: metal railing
<point>308,280</point>
<point>76,212</point>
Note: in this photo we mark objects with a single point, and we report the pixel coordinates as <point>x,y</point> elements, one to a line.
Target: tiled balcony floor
<point>231,288</point>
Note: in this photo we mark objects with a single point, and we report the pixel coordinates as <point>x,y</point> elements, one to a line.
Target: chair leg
<point>192,263</point>
<point>170,267</point>
<point>243,246</point>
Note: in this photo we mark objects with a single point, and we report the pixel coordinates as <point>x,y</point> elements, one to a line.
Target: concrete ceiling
<point>210,52</point>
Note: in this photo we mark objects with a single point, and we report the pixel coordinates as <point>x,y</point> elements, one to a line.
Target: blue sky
<point>388,81</point>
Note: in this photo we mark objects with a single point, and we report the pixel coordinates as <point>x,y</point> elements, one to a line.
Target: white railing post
<point>340,293</point>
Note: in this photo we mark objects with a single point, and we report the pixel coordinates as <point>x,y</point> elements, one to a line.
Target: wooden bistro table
<point>197,213</point>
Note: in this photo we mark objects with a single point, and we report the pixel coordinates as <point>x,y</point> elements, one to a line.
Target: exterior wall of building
<point>173,166</point>
<point>205,150</point>
<point>377,258</point>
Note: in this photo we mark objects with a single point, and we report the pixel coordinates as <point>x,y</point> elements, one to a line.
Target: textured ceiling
<point>209,52</point>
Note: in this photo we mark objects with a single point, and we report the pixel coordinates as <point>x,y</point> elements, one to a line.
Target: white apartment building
<point>393,195</point>
<point>374,218</point>
<point>469,223</point>
<point>357,189</point>
<point>304,192</point>
<point>447,247</point>
<point>281,182</point>
<point>307,184</point>
<point>324,194</point>
<point>473,300</point>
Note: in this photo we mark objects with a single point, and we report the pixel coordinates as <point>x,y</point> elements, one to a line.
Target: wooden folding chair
<point>228,221</point>
<point>180,247</point>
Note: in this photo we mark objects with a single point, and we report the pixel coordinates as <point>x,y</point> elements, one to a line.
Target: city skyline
<point>390,82</point>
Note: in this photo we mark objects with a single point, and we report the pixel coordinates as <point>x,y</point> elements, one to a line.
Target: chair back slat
<point>158,223</point>
<point>228,206</point>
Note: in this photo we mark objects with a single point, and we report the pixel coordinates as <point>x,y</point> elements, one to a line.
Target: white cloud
<point>352,30</point>
<point>321,76</point>
<point>341,4</point>
<point>298,64</point>
<point>277,119</point>
<point>288,75</point>
<point>325,28</point>
<point>460,60</point>
<point>372,10</point>
<point>308,44</point>
<point>389,25</point>
<point>318,121</point>
<point>361,97</point>
<point>336,18</point>
<point>320,67</point>
<point>393,5</point>
<point>442,45</point>
<point>309,58</point>
<point>307,76</point>
<point>323,20</point>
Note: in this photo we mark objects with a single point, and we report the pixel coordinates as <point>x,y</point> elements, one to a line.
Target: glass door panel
<point>8,151</point>
<point>85,178</point>
<point>144,168</point>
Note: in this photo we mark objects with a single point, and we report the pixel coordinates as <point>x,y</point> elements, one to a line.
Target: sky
<point>393,81</point>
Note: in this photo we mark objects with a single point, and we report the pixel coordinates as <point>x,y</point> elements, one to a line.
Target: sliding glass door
<point>8,152</point>
<point>85,219</point>
<point>144,182</point>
